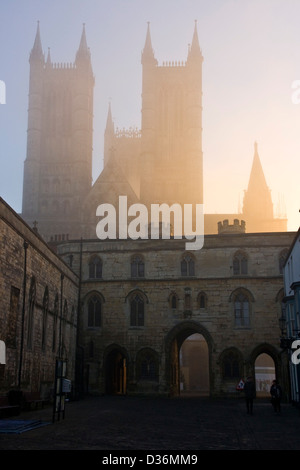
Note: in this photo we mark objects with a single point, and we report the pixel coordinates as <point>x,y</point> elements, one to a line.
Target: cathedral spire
<point>257,200</point>
<point>148,54</point>
<point>257,178</point>
<point>195,50</point>
<point>36,53</point>
<point>83,52</point>
<point>109,137</point>
<point>109,121</point>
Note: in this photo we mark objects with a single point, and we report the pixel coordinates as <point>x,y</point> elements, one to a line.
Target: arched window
<point>94,311</point>
<point>137,311</point>
<point>240,263</point>
<point>173,301</point>
<point>95,268</point>
<point>137,267</point>
<point>202,300</point>
<point>187,266</point>
<point>241,310</point>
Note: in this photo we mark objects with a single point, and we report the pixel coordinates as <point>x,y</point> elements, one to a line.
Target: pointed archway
<point>194,369</point>
<point>173,343</point>
<point>115,366</point>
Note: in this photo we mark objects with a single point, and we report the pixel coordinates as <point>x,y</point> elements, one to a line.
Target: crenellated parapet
<point>237,226</point>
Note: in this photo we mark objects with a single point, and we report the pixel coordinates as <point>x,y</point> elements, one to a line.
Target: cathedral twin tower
<point>161,163</point>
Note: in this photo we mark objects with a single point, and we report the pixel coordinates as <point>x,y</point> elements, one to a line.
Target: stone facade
<point>38,314</point>
<point>140,300</point>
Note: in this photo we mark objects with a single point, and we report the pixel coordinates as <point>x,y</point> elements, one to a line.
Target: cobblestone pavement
<point>161,424</point>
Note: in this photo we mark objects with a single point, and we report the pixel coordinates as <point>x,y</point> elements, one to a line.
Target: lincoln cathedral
<point>143,316</point>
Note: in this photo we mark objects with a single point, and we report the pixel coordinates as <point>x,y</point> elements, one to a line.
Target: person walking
<point>276,395</point>
<point>249,389</point>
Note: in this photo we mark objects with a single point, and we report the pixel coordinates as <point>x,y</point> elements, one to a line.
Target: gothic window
<point>240,264</point>
<point>173,301</point>
<point>31,302</point>
<point>241,310</point>
<point>202,300</point>
<point>282,259</point>
<point>231,365</point>
<point>137,311</point>
<point>187,301</point>
<point>45,317</point>
<point>187,266</point>
<point>94,311</point>
<point>137,267</point>
<point>95,268</point>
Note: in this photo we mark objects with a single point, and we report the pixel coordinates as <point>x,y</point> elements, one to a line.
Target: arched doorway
<point>116,372</point>
<point>264,374</point>
<point>192,361</point>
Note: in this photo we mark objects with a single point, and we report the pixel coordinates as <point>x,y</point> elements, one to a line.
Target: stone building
<point>142,299</point>
<point>153,317</point>
<point>38,309</point>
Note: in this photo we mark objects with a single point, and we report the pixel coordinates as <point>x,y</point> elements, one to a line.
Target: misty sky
<point>251,52</point>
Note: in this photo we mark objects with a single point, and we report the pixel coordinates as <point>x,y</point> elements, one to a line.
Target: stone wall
<point>30,318</point>
<point>165,327</point>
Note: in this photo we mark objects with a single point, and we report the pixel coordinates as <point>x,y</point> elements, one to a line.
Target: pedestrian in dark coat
<point>276,395</point>
<point>249,389</point>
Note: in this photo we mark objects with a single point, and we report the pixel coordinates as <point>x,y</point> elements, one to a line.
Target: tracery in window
<point>137,267</point>
<point>187,266</point>
<point>240,263</point>
<point>95,268</point>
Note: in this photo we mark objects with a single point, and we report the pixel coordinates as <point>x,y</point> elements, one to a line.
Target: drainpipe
<point>25,245</point>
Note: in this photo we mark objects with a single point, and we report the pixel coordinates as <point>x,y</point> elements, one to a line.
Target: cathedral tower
<point>171,140</point>
<point>58,165</point>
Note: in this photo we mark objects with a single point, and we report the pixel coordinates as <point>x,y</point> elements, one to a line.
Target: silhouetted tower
<point>258,206</point>
<point>58,165</point>
<point>171,147</point>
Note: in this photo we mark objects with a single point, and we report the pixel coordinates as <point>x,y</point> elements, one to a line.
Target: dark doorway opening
<point>116,373</point>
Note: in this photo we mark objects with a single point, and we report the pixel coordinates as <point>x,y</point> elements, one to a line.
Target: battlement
<point>132,132</point>
<point>174,63</point>
<point>237,227</point>
<point>61,65</point>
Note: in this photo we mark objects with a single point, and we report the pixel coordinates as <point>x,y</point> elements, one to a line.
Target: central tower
<point>171,130</point>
